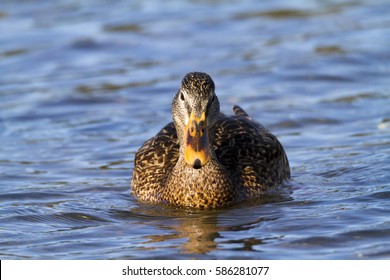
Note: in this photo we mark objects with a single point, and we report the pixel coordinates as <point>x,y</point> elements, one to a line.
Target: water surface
<point>84,83</point>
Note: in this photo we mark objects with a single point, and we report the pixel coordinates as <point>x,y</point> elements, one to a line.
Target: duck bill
<point>196,142</point>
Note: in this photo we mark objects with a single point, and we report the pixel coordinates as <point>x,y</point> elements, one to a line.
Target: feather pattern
<point>247,161</point>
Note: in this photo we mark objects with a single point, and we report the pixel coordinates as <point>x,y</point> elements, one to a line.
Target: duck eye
<point>181,96</point>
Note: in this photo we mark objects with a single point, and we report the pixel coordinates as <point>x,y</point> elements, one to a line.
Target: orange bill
<point>196,142</point>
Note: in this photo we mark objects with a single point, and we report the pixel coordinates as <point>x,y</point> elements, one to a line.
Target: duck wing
<point>250,152</point>
<point>153,163</point>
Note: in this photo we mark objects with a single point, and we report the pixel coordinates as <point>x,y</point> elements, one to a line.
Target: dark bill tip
<point>197,164</point>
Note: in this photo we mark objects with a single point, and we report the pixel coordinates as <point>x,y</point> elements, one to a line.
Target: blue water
<point>84,83</point>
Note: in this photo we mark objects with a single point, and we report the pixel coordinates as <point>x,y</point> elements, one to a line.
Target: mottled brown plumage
<point>242,160</point>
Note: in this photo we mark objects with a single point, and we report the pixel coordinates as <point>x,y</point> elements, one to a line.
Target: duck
<point>205,159</point>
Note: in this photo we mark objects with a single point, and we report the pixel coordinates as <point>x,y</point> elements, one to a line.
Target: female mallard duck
<point>205,159</point>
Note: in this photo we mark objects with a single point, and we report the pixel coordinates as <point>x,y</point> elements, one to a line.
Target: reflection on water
<point>198,234</point>
<point>83,84</point>
<point>201,230</point>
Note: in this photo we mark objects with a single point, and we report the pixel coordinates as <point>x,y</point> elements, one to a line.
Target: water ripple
<point>85,84</point>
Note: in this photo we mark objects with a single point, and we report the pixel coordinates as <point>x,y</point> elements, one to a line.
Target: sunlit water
<point>84,83</point>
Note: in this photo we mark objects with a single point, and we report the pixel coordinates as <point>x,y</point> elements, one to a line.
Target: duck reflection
<point>197,232</point>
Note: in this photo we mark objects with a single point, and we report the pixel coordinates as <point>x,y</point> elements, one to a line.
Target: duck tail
<point>239,112</point>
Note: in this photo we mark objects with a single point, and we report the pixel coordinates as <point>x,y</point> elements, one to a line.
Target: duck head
<point>195,109</point>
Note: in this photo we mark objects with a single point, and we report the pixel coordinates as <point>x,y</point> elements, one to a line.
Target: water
<point>84,83</point>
